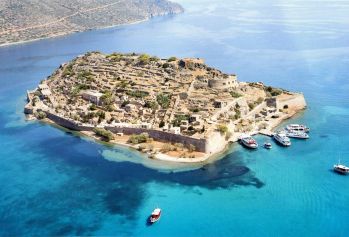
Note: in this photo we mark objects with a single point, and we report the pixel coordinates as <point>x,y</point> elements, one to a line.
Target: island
<point>172,109</point>
<point>28,20</point>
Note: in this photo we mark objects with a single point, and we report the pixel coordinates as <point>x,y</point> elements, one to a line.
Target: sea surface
<point>54,182</point>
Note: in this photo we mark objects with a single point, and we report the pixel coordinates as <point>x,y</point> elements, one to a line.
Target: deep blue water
<point>54,182</point>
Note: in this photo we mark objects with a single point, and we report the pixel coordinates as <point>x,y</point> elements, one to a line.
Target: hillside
<point>23,20</point>
<point>171,100</point>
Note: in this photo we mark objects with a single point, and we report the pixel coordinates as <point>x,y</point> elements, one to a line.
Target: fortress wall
<point>222,83</point>
<point>200,144</point>
<point>67,123</point>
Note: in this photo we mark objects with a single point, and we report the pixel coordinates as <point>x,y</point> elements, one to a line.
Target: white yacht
<point>342,169</point>
<point>248,142</point>
<point>297,128</point>
<point>282,139</point>
<point>297,134</point>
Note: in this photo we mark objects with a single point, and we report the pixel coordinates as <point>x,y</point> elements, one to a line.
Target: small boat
<point>282,139</point>
<point>297,134</point>
<point>339,168</point>
<point>248,142</point>
<point>155,215</point>
<point>267,145</point>
<point>297,128</point>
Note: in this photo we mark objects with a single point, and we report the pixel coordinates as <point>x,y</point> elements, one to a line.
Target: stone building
<point>92,96</point>
<point>222,83</point>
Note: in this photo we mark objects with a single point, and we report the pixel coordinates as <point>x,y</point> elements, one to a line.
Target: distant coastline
<point>49,19</point>
<point>73,32</point>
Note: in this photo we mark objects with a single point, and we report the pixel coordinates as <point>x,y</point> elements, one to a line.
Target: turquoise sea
<point>56,183</point>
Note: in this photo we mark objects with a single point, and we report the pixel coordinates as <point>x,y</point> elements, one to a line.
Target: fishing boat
<point>297,128</point>
<point>282,139</point>
<point>248,142</point>
<point>155,215</point>
<point>267,145</point>
<point>339,168</point>
<point>297,134</point>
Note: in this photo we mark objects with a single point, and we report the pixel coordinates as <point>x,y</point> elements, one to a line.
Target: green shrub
<point>68,70</point>
<point>235,94</point>
<point>171,59</point>
<point>107,98</point>
<point>151,104</point>
<point>137,94</point>
<point>154,59</point>
<point>92,107</point>
<point>222,128</point>
<point>163,100</point>
<point>165,65</point>
<point>178,118</point>
<point>251,106</point>
<point>40,115</point>
<point>260,100</point>
<point>107,135</point>
<point>144,58</point>
<point>191,148</point>
<point>137,139</point>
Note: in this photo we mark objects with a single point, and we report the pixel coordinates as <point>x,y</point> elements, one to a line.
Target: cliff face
<point>23,20</point>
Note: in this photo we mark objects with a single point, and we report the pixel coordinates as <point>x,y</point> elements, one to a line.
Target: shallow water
<point>54,182</point>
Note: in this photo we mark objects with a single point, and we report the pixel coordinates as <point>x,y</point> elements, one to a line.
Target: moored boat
<point>297,134</point>
<point>155,215</point>
<point>267,145</point>
<point>297,128</point>
<point>340,168</point>
<point>249,142</point>
<point>282,139</point>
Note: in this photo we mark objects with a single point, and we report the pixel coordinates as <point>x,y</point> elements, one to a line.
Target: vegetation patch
<point>105,134</point>
<point>140,138</point>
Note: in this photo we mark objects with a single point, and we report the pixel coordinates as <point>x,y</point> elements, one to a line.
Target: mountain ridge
<point>28,20</point>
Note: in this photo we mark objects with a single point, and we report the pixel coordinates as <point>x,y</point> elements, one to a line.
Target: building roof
<point>93,93</point>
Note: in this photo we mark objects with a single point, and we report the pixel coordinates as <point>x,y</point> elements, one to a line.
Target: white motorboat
<point>155,215</point>
<point>267,145</point>
<point>248,142</point>
<point>297,134</point>
<point>282,139</point>
<point>297,128</point>
<point>339,168</point>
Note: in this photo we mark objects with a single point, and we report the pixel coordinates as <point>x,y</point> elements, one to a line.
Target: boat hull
<point>249,146</point>
<point>340,171</point>
<point>282,143</point>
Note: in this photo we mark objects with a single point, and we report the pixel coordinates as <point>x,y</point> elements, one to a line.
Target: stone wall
<point>68,123</point>
<point>200,144</point>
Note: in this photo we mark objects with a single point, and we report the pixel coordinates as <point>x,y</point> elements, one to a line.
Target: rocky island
<point>25,20</point>
<point>172,109</point>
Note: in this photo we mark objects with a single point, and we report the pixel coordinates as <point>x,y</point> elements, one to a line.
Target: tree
<point>163,100</point>
<point>191,148</point>
<point>235,94</point>
<point>107,135</point>
<point>222,128</point>
<point>171,59</point>
<point>144,58</point>
<point>107,98</point>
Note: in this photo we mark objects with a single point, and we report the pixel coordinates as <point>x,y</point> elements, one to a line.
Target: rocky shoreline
<point>177,110</point>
